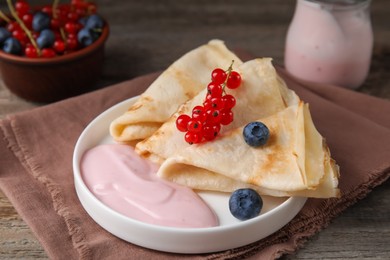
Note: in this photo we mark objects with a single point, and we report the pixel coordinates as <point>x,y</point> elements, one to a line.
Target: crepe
<point>179,83</point>
<point>261,94</point>
<point>294,162</point>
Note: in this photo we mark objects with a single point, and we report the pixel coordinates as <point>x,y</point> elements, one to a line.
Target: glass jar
<point>330,42</point>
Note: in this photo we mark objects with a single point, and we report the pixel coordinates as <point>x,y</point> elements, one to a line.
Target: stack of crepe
<point>295,161</point>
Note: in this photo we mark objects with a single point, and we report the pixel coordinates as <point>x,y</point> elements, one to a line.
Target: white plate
<point>231,233</point>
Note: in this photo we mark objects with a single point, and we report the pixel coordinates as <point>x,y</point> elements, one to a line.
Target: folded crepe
<point>295,162</point>
<point>180,82</point>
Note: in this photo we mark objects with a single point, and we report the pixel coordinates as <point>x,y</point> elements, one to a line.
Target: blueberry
<point>86,36</point>
<point>12,46</point>
<point>94,22</point>
<point>256,134</point>
<point>45,39</point>
<point>245,204</point>
<point>40,21</point>
<point>4,34</point>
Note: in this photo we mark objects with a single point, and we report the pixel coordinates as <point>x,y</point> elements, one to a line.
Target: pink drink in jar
<point>330,42</point>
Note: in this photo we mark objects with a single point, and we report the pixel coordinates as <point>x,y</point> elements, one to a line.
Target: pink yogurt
<point>330,42</point>
<point>128,184</point>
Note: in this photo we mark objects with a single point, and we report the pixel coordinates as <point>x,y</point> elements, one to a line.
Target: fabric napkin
<point>36,175</point>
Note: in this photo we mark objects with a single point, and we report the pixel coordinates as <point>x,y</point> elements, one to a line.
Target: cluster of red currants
<point>205,122</point>
<point>50,30</point>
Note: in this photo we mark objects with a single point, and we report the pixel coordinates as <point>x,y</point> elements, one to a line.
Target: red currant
<point>210,131</point>
<point>59,46</point>
<point>12,26</point>
<point>71,42</point>
<point>19,35</point>
<point>182,122</point>
<point>194,126</point>
<point>213,116</point>
<point>79,4</point>
<point>198,113</point>
<point>30,51</point>
<point>22,7</point>
<point>62,12</point>
<point>55,24</point>
<point>207,104</point>
<point>48,53</point>
<point>48,9</point>
<point>65,8</point>
<point>217,103</point>
<point>27,20</point>
<point>215,90</point>
<point>71,27</point>
<point>218,76</point>
<point>226,117</point>
<point>73,17</point>
<point>229,101</point>
<point>80,11</point>
<point>193,138</point>
<point>234,80</point>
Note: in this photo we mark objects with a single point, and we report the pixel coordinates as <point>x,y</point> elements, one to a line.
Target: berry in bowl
<point>51,52</point>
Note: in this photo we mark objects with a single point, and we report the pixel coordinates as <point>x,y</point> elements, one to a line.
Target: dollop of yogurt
<point>128,184</point>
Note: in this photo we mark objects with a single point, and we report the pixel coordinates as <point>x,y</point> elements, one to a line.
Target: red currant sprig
<point>64,21</point>
<point>205,121</point>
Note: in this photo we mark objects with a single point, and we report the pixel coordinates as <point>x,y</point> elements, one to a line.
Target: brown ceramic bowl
<point>51,79</point>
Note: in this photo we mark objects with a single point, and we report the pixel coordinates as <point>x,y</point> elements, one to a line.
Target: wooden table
<point>149,35</point>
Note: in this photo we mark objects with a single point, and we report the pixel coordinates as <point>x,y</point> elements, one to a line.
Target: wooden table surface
<point>149,35</point>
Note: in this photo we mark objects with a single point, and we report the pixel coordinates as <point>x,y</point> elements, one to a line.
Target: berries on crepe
<point>218,76</point>
<point>205,122</point>
<point>182,122</point>
<point>234,80</point>
<point>256,134</point>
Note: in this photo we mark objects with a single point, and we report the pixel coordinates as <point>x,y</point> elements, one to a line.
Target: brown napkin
<point>36,170</point>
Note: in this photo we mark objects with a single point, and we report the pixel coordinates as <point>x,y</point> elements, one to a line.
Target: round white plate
<point>231,233</point>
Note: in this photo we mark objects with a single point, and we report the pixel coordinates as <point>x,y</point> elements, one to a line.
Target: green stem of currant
<point>4,17</point>
<point>23,26</point>
<point>54,10</point>
<point>63,34</point>
<point>229,71</point>
<point>230,67</point>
